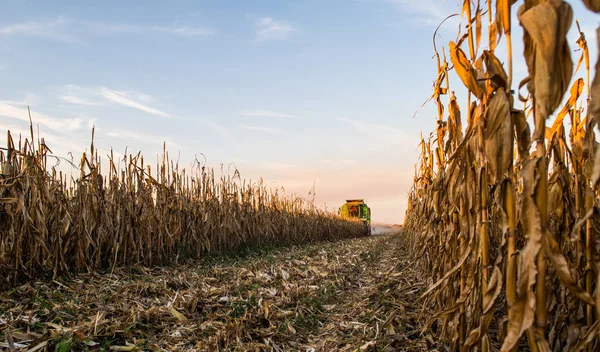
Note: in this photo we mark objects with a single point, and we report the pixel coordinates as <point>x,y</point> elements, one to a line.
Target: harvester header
<point>357,209</point>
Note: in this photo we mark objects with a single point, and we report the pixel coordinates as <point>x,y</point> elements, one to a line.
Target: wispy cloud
<point>363,126</point>
<point>54,29</point>
<point>110,28</point>
<point>78,100</point>
<point>222,131</point>
<point>102,96</point>
<point>12,111</point>
<point>262,113</point>
<point>56,141</point>
<point>268,28</point>
<point>428,12</point>
<point>380,132</point>
<point>128,135</point>
<point>125,99</point>
<point>268,130</point>
<point>72,30</point>
<point>99,95</point>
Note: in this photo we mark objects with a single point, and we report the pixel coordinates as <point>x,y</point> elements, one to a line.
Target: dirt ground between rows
<point>353,295</point>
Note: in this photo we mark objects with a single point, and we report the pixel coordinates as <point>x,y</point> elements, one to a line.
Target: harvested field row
<point>352,295</point>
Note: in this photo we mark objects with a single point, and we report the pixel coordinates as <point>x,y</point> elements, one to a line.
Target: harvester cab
<point>357,209</point>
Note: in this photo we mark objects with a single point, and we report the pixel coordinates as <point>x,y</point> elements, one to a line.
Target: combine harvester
<point>357,209</point>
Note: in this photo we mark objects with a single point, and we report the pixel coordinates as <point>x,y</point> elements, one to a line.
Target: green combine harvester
<point>357,209</point>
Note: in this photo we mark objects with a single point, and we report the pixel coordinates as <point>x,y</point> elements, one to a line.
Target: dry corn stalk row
<point>504,213</point>
<point>51,225</point>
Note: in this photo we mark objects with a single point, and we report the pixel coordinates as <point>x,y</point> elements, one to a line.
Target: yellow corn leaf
<point>465,70</point>
<point>477,28</point>
<point>123,348</point>
<point>576,90</point>
<point>503,15</point>
<point>493,36</point>
<point>178,315</point>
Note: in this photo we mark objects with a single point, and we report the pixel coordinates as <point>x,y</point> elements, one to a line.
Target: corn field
<point>51,224</point>
<point>504,212</point>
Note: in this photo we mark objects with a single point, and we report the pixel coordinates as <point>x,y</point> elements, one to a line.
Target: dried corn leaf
<point>493,290</point>
<point>522,132</point>
<point>465,70</point>
<point>495,70</point>
<point>547,55</point>
<point>589,336</point>
<point>521,314</point>
<point>562,269</point>
<point>503,15</point>
<point>592,5</point>
<point>477,28</point>
<point>498,134</point>
<point>178,315</point>
<point>595,111</point>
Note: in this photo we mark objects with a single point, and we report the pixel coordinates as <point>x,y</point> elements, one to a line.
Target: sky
<point>299,92</point>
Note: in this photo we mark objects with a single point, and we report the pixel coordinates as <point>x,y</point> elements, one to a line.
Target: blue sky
<point>299,92</point>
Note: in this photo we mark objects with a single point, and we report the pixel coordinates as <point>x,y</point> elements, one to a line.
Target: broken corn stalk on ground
<point>351,295</point>
<point>504,212</point>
